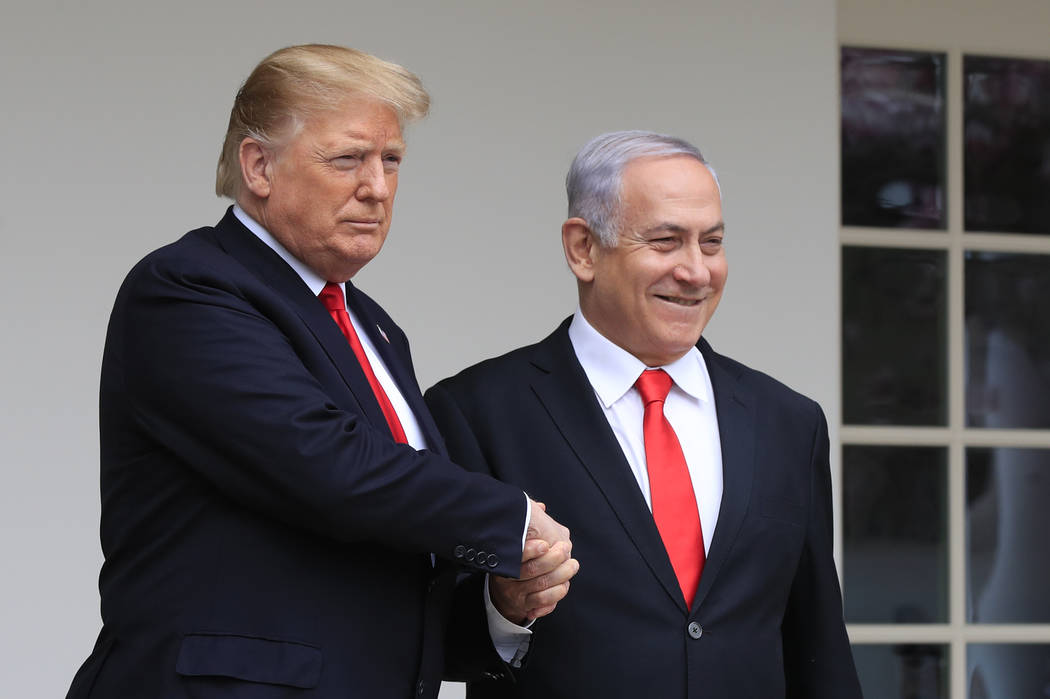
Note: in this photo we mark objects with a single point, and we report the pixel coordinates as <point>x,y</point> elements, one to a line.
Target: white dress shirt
<point>511,641</point>
<point>413,432</point>
<point>690,408</point>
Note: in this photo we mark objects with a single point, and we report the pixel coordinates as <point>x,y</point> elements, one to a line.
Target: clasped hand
<point>546,568</point>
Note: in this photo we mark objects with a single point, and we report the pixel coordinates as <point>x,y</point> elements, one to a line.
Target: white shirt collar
<point>310,277</point>
<point>613,370</point>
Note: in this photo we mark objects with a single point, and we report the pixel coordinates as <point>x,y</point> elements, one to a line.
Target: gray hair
<point>595,180</point>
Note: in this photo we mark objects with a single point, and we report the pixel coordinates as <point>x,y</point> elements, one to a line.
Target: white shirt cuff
<point>528,521</point>
<point>511,641</point>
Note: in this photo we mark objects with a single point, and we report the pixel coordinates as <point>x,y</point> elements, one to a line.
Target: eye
<point>345,162</point>
<point>391,162</point>
<point>712,245</point>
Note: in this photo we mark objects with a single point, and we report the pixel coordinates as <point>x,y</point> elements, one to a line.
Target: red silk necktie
<point>332,298</point>
<point>674,504</point>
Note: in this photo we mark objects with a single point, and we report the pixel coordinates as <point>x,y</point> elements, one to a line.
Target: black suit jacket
<point>767,618</point>
<point>264,536</point>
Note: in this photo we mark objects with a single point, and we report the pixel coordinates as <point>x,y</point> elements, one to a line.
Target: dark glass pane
<point>892,138</point>
<point>1007,530</point>
<point>895,524</point>
<point>903,671</point>
<point>1007,340</point>
<point>1008,671</point>
<point>894,337</point>
<point>1007,158</point>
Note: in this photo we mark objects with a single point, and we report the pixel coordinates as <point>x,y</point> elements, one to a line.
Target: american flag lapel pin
<point>382,333</point>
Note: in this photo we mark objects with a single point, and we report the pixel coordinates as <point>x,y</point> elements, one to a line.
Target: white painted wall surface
<point>112,117</point>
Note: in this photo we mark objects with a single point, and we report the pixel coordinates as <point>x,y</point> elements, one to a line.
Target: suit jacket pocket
<point>783,510</point>
<point>249,658</point>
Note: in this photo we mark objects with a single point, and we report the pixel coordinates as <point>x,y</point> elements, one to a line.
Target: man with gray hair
<point>279,515</point>
<point>697,490</point>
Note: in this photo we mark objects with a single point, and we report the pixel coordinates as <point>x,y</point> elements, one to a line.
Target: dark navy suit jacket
<point>264,536</point>
<point>766,622</point>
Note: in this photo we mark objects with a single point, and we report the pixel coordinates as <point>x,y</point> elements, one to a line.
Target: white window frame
<point>956,437</point>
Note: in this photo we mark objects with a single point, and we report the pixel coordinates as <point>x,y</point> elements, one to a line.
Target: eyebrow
<point>669,227</point>
<point>353,141</point>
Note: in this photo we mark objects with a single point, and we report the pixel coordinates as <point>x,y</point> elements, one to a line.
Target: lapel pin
<point>382,333</point>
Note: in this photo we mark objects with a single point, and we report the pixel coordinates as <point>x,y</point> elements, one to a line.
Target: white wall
<point>112,118</point>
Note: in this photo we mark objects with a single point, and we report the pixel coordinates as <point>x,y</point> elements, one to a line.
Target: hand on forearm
<point>545,574</point>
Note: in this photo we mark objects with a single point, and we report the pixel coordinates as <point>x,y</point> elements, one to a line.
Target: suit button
<point>695,630</point>
<point>481,558</point>
<point>493,560</point>
<point>470,554</point>
<point>459,551</point>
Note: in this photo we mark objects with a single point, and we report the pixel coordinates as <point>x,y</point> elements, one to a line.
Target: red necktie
<point>674,505</point>
<point>332,298</point>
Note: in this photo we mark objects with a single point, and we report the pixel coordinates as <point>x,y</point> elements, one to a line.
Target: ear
<point>581,247</point>
<point>256,171</point>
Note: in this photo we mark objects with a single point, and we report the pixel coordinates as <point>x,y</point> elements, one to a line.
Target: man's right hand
<point>542,526</point>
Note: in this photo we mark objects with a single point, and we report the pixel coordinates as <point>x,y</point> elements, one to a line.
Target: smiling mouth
<point>680,301</point>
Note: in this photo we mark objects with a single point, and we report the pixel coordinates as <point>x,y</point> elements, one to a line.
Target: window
<point>945,246</point>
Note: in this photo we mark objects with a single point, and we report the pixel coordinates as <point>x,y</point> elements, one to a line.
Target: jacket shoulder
<point>197,249</point>
<point>510,367</point>
<point>763,385</point>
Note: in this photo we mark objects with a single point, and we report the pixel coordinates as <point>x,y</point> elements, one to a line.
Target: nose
<point>373,184</point>
<point>691,268</point>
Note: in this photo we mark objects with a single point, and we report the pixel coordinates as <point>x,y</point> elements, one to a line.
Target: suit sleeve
<point>216,381</point>
<point>817,657</point>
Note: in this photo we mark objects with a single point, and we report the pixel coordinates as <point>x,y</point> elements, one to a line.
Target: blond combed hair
<point>295,82</point>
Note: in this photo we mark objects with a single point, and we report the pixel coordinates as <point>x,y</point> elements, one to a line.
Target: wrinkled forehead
<point>668,179</point>
<point>356,120</point>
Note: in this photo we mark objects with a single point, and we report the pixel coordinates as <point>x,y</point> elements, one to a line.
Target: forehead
<point>678,179</point>
<point>355,119</point>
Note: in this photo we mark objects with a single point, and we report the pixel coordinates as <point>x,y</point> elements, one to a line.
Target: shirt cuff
<point>528,521</point>
<point>511,641</point>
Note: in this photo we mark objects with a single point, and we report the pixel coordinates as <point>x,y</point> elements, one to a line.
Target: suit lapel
<point>399,364</point>
<point>568,397</point>
<point>268,265</point>
<point>735,408</point>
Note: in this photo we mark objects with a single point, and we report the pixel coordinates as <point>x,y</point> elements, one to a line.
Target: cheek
<point>721,273</point>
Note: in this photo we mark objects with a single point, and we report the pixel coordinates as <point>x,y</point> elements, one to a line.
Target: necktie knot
<point>653,385</point>
<point>332,297</point>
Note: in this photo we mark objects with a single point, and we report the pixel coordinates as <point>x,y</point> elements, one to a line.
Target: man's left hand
<point>543,582</point>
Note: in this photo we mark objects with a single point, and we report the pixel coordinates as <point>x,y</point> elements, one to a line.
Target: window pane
<point>893,136</point>
<point>1007,525</point>
<point>1007,144</point>
<point>902,671</point>
<point>895,524</point>
<point>1008,671</point>
<point>894,336</point>
<point>1007,340</point>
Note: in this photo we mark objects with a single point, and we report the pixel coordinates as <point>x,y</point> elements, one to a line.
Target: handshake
<point>546,567</point>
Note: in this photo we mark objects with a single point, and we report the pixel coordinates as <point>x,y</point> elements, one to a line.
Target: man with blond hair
<point>279,516</point>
